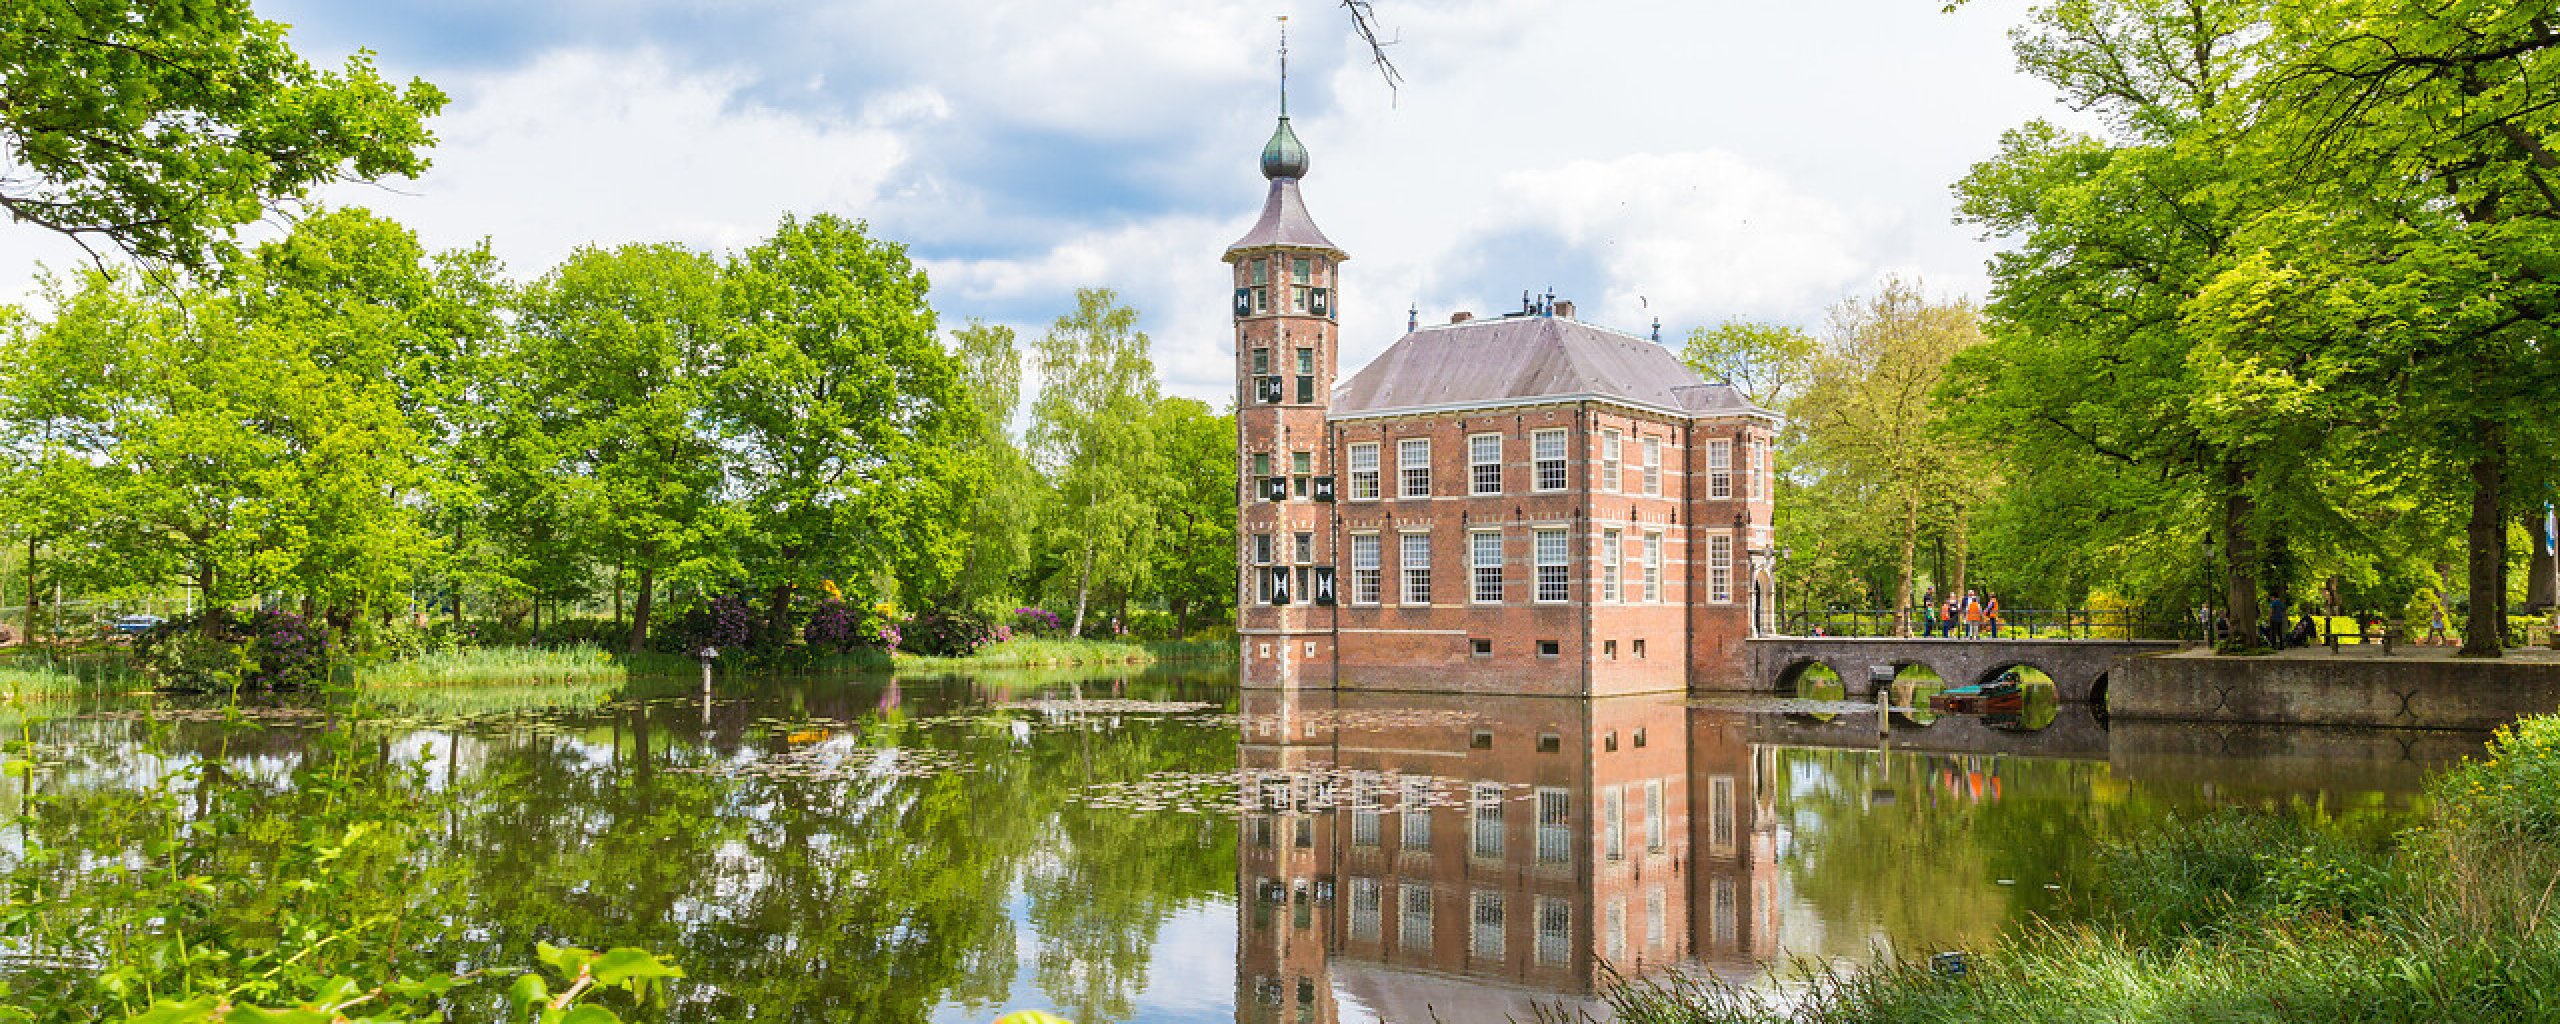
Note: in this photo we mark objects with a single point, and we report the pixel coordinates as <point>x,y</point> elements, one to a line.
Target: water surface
<point>1161,847</point>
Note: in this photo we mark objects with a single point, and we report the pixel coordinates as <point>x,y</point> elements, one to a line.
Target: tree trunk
<point>1084,586</point>
<point>29,639</point>
<point>1910,555</point>
<point>2542,568</point>
<point>777,623</point>
<point>640,610</point>
<point>1181,618</point>
<point>2484,629</point>
<point>1964,548</point>
<point>2240,556</point>
<point>533,630</point>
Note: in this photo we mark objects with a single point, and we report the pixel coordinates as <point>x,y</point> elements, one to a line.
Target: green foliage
<point>1769,363</point>
<point>482,666</point>
<point>1091,433</point>
<point>157,128</point>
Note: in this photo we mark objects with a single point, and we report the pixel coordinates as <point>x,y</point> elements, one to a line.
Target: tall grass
<point>32,679</point>
<point>1047,652</point>
<point>487,666</point>
<point>2247,919</point>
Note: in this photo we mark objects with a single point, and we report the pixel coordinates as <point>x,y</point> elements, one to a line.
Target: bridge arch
<point>1789,681</point>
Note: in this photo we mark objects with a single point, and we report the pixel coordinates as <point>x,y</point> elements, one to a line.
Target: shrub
<point>267,649</point>
<point>727,622</point>
<point>1037,622</point>
<point>953,634</point>
<point>837,626</point>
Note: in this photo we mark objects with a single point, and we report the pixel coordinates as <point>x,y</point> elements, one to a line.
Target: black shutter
<point>1323,488</point>
<point>1244,302</point>
<point>1270,388</point>
<point>1322,585</point>
<point>1279,586</point>
<point>1275,488</point>
<point>1318,305</point>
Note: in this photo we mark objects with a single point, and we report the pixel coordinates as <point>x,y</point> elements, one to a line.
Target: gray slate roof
<point>1525,359</point>
<point>1284,223</point>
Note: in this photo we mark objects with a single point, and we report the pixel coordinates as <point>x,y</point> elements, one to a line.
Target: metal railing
<point>2018,624</point>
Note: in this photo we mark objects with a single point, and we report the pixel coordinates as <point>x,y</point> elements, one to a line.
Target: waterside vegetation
<point>2238,917</point>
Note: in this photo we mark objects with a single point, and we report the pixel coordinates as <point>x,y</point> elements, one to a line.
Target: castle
<point>1519,504</point>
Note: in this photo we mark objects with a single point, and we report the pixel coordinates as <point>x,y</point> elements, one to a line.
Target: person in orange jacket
<point>1991,613</point>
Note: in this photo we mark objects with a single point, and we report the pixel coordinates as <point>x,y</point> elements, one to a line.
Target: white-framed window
<point>1553,573</point>
<point>1364,568</point>
<point>1365,903</point>
<point>1555,931</point>
<point>1613,823</point>
<point>1720,823</point>
<point>1262,570</point>
<point>1653,466</point>
<point>1656,909</point>
<point>1546,447</point>
<point>1656,830</point>
<point>1364,471</point>
<point>1612,471</point>
<point>1484,464</point>
<point>1413,467</point>
<point>1413,916</point>
<point>1485,938</point>
<point>1719,468</point>
<point>1261,294</point>
<point>1364,813</point>
<point>1612,559</point>
<point>1555,826</point>
<point>1301,275</point>
<point>1653,566</point>
<point>1415,549</point>
<point>1484,566</point>
<point>1413,817</point>
<point>1484,811</point>
<point>1720,568</point>
<point>1613,926</point>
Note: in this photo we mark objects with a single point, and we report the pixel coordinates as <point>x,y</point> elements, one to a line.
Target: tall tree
<point>157,128</point>
<point>1003,493</point>
<point>1091,433</point>
<point>1871,409</point>
<point>620,348</point>
<point>1195,505</point>
<point>1767,362</point>
<point>842,414</point>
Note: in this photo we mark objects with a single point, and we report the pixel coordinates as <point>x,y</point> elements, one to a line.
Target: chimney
<point>1564,308</point>
<point>1461,316</point>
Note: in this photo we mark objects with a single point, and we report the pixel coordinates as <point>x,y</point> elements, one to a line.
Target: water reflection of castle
<point>1467,856</point>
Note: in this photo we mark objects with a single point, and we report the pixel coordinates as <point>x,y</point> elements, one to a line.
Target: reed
<point>489,666</point>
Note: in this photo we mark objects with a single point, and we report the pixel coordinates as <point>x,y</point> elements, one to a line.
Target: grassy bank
<point>1043,652</point>
<point>485,666</point>
<point>2231,918</point>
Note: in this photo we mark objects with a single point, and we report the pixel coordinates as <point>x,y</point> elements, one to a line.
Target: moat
<point>1161,846</point>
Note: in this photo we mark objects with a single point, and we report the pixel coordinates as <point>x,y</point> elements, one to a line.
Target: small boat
<point>1995,698</point>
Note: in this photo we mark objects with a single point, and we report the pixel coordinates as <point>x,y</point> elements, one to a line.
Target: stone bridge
<point>2078,667</point>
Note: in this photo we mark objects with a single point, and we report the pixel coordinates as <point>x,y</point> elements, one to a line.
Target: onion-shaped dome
<point>1284,156</point>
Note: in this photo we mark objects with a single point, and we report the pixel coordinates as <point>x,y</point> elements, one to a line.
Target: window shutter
<point>1275,488</point>
<point>1270,387</point>
<point>1319,305</point>
<point>1244,302</point>
<point>1324,488</point>
<point>1321,582</point>
<point>1279,585</point>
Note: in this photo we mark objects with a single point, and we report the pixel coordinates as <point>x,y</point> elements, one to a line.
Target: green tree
<point>842,414</point>
<point>1004,493</point>
<point>1768,362</point>
<point>1870,410</point>
<point>619,351</point>
<point>157,128</point>
<point>1090,433</point>
<point>1195,508</point>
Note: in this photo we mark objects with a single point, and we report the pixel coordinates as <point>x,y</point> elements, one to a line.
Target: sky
<point>1692,160</point>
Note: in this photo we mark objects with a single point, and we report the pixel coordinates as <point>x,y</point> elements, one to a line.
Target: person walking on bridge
<point>1972,615</point>
<point>1991,612</point>
<point>1949,614</point>
<point>1929,612</point>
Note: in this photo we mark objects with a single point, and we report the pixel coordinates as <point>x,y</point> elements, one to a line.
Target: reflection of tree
<point>1900,841</point>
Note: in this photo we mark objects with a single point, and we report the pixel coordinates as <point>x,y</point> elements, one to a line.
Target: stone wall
<point>2405,693</point>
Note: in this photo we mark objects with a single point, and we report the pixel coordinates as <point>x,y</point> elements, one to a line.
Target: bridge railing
<point>2017,624</point>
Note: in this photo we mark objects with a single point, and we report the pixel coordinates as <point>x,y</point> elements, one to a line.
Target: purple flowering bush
<point>727,622</point>
<point>1038,622</point>
<point>839,626</point>
<point>270,649</point>
<point>953,634</point>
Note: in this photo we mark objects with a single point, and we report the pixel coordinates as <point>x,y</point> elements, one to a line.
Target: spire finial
<point>1284,65</point>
